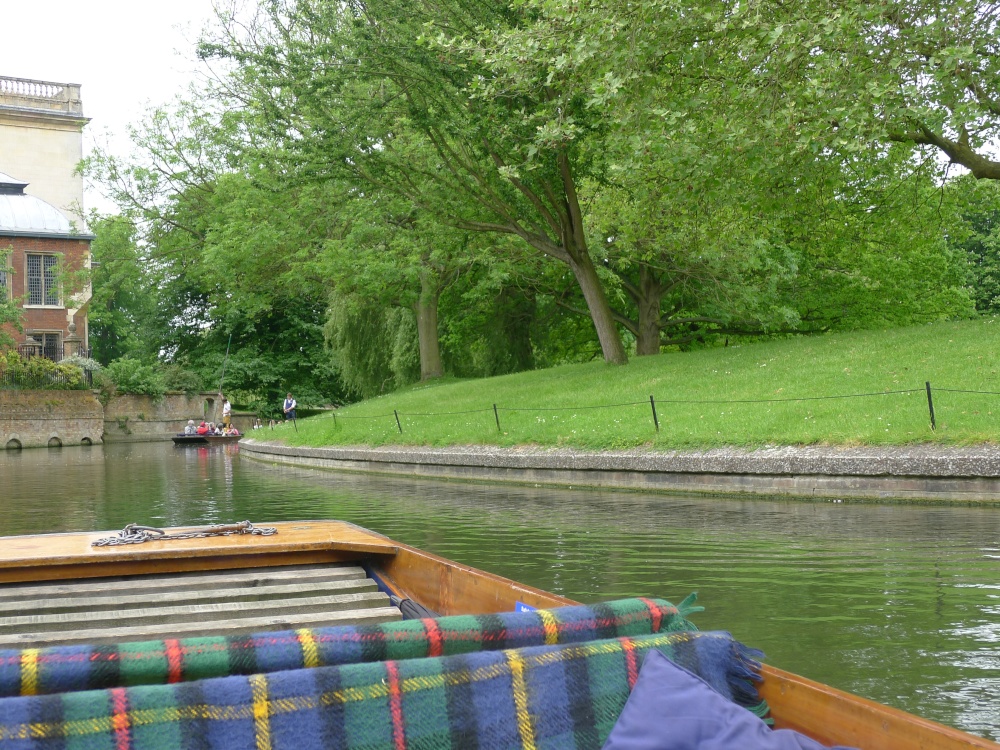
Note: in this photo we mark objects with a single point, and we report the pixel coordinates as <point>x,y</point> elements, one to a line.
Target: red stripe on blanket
<point>631,665</point>
<point>435,645</point>
<point>119,719</point>
<point>655,611</point>
<point>175,659</point>
<point>396,706</point>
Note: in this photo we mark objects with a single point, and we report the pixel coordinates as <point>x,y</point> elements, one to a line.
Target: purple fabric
<point>674,709</point>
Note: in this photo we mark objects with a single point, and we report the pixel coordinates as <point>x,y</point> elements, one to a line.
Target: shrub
<point>127,375</point>
<point>176,378</point>
<point>84,363</point>
<point>39,373</point>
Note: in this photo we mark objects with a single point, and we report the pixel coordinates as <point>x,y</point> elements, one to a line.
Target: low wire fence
<point>499,415</point>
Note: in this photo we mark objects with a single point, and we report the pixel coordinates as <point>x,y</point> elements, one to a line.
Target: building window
<point>49,345</point>
<point>42,286</point>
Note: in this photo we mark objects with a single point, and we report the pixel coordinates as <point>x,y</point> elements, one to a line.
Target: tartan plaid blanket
<point>564,697</point>
<point>67,668</point>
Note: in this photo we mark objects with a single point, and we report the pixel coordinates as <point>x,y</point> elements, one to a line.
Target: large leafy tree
<point>977,235</point>
<point>123,297</point>
<point>423,163</point>
<point>921,72</point>
<point>359,89</point>
<point>225,255</point>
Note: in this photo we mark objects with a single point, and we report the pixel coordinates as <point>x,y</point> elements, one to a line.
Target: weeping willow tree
<point>373,347</point>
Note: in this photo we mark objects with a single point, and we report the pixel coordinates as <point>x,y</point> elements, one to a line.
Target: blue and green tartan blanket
<point>67,668</point>
<point>561,697</point>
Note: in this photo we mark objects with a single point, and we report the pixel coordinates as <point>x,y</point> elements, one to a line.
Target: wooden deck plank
<point>189,581</point>
<point>147,600</point>
<point>284,621</point>
<point>195,613</point>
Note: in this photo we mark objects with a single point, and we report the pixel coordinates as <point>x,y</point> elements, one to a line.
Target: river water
<point>899,603</point>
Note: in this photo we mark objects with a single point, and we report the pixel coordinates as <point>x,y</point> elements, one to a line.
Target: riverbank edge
<point>924,473</point>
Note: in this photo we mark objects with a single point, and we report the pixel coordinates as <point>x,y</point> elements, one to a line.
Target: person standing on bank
<point>227,411</point>
<point>289,407</point>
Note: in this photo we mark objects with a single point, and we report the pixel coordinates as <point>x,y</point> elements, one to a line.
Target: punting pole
<point>224,361</point>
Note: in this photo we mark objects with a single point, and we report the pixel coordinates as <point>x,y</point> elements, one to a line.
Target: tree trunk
<point>600,310</point>
<point>426,309</point>
<point>574,244</point>
<point>647,340</point>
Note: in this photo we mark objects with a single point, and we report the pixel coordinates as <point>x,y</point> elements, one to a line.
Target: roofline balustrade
<point>47,96</point>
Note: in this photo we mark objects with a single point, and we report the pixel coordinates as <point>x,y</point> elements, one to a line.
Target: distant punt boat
<point>181,439</point>
<point>309,631</point>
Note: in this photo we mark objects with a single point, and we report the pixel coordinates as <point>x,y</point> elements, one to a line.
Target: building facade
<point>44,242</point>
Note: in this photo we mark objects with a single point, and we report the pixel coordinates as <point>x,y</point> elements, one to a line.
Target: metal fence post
<point>652,405</point>
<point>930,404</point>
<point>496,415</point>
<point>397,421</point>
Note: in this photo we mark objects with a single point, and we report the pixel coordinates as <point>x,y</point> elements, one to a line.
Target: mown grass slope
<point>726,396</point>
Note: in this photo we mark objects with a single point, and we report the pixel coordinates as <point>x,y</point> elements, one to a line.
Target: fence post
<point>652,405</point>
<point>335,420</point>
<point>496,415</point>
<point>397,421</point>
<point>930,404</point>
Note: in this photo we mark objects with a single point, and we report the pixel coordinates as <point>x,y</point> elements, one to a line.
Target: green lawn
<point>555,407</point>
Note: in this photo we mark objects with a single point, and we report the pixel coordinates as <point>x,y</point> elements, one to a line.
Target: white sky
<point>127,54</point>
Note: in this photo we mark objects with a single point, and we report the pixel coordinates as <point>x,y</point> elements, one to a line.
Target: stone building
<point>44,242</point>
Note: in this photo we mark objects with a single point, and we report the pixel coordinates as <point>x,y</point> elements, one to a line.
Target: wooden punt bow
<point>828,715</point>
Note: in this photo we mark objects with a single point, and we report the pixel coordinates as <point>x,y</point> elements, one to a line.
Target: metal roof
<point>22,214</point>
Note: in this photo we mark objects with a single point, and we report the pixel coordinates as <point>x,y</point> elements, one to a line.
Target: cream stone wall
<point>41,141</point>
<point>45,155</point>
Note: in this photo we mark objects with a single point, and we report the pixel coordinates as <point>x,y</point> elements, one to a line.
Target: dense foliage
<point>367,193</point>
<point>10,313</point>
<point>39,373</point>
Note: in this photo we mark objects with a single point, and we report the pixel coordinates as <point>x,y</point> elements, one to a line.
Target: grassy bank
<point>568,406</point>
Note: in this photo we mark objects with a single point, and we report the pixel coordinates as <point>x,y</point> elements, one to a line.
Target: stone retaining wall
<point>36,419</point>
<point>935,473</point>
<point>130,418</point>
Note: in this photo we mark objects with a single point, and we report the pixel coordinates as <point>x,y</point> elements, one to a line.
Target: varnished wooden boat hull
<point>828,715</point>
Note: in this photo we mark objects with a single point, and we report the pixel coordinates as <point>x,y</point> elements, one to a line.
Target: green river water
<point>899,603</point>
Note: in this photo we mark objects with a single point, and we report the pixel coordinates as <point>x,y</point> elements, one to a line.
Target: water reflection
<point>898,603</point>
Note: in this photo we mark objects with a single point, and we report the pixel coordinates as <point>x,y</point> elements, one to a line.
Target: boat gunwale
<point>364,542</point>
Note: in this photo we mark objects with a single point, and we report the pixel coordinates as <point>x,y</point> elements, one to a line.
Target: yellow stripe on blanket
<point>310,653</point>
<point>29,671</point>
<point>551,625</point>
<point>261,711</point>
<point>520,688</point>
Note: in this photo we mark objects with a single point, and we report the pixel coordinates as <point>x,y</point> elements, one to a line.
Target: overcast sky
<point>127,55</point>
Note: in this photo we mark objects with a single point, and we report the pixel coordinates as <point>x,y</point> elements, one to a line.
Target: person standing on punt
<point>289,407</point>
<point>227,412</point>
